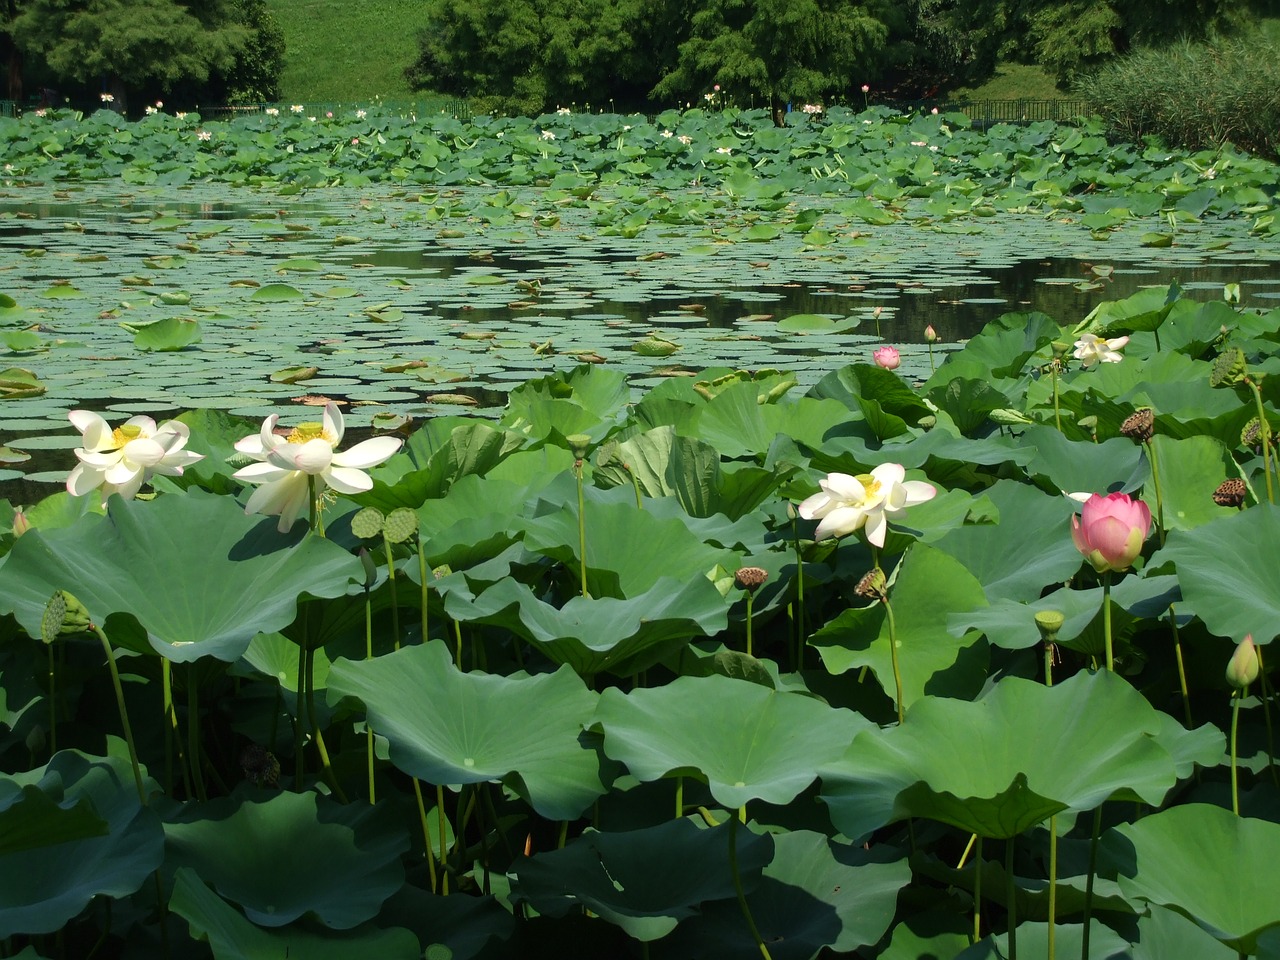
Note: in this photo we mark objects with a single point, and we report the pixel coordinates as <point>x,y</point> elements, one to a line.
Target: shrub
<point>1193,95</point>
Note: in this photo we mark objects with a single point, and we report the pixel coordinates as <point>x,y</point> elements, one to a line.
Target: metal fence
<point>984,113</point>
<point>324,108</point>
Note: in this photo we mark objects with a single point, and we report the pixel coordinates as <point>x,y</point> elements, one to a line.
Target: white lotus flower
<point>122,460</point>
<point>287,464</point>
<point>1092,349</point>
<point>848,503</point>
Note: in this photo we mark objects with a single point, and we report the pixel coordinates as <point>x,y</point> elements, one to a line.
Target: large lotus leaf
<point>1204,862</point>
<point>232,937</point>
<point>930,586</point>
<point>973,765</point>
<point>463,924</point>
<point>196,596</point>
<point>1190,471</point>
<point>1000,351</point>
<point>1033,941</point>
<point>1228,572</point>
<point>1029,549</point>
<point>815,895</point>
<point>293,855</point>
<point>449,727</point>
<point>42,887</point>
<point>646,881</point>
<point>747,741</point>
<point>594,635</point>
<point>31,818</point>
<point>887,404</point>
<point>661,464</point>
<point>628,550</point>
<point>737,424</point>
<point>1077,466</point>
<point>587,400</point>
<point>471,449</point>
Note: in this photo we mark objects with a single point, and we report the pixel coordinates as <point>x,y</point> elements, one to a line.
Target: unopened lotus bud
<point>1060,349</point>
<point>64,615</point>
<point>872,585</point>
<point>1049,622</point>
<point>20,523</point>
<point>750,579</point>
<point>370,568</point>
<point>1242,670</point>
<point>1230,493</point>
<point>578,444</point>
<point>1139,425</point>
<point>930,334</point>
<point>1231,292</point>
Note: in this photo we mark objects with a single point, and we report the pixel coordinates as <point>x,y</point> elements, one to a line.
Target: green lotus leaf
<point>43,885</point>
<point>815,323</point>
<point>62,291</point>
<point>435,458</point>
<point>746,741</point>
<point>238,578</point>
<point>294,374</point>
<point>1033,941</point>
<point>276,293</point>
<point>1190,471</point>
<point>594,635</point>
<point>169,333</point>
<point>464,925</point>
<point>971,764</point>
<point>299,265</point>
<point>586,400</point>
<point>292,855</point>
<point>1206,863</point>
<point>1028,550</point>
<point>645,881</point>
<point>661,464</point>
<point>21,341</point>
<point>449,727</point>
<point>1078,466</point>
<point>738,424</point>
<point>815,896</point>
<point>233,937</point>
<point>1000,352</point>
<point>19,384</point>
<point>30,818</point>
<point>930,587</point>
<point>1227,573</point>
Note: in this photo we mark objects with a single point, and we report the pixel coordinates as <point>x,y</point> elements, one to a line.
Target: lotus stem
<point>368,655</point>
<point>893,653</point>
<point>801,639</point>
<point>1155,481</point>
<point>124,713</point>
<point>1048,664</point>
<point>193,734</point>
<point>1106,620</point>
<point>457,643</point>
<point>737,886</point>
<point>679,797</point>
<point>750,600</point>
<point>1013,899</point>
<point>53,704</point>
<point>426,833</point>
<point>391,579</point>
<point>422,575</point>
<point>977,891</point>
<point>325,766</point>
<point>444,873</point>
<point>1182,670</point>
<point>635,485</point>
<point>1088,883</point>
<point>968,848</point>
<point>1236,697</point>
<point>317,510</point>
<point>1264,436</point>
<point>582,526</point>
<point>933,367</point>
<point>1266,716</point>
<point>1053,882</point>
<point>299,740</point>
<point>1057,410</point>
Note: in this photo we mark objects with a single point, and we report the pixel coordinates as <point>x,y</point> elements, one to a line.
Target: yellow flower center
<point>870,484</point>
<point>124,433</point>
<point>311,431</point>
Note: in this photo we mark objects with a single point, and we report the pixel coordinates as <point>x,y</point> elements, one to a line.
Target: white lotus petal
<point>368,453</point>
<point>332,422</point>
<point>312,457</point>
<point>82,480</point>
<point>95,430</point>
<point>348,479</point>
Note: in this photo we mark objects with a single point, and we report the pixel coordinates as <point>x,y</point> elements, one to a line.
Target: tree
<point>132,43</point>
<point>780,49</point>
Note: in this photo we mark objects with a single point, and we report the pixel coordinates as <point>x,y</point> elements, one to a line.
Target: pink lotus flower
<point>888,358</point>
<point>930,334</point>
<point>866,88</point>
<point>1110,530</point>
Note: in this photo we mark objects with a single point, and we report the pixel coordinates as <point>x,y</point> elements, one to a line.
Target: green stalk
<point>1182,670</point>
<point>124,713</point>
<point>1053,881</point>
<point>1264,434</point>
<point>53,704</point>
<point>1155,480</point>
<point>750,598</point>
<point>1106,619</point>
<point>325,766</point>
<point>444,872</point>
<point>977,891</point>
<point>582,526</point>
<point>193,733</point>
<point>679,797</point>
<point>1048,664</point>
<point>1266,716</point>
<point>1236,697</point>
<point>391,579</point>
<point>1013,900</point>
<point>1057,411</point>
<point>737,886</point>
<point>1088,883</point>
<point>893,652</point>
<point>368,655</point>
<point>422,575</point>
<point>426,833</point>
<point>299,740</point>
<point>800,634</point>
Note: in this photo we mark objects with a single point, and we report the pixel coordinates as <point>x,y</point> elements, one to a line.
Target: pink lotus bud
<point>1110,530</point>
<point>20,523</point>
<point>930,334</point>
<point>888,358</point>
<point>866,88</point>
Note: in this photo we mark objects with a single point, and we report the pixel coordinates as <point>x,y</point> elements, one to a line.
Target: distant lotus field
<point>663,537</point>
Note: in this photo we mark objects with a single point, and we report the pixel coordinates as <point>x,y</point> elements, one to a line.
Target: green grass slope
<point>347,50</point>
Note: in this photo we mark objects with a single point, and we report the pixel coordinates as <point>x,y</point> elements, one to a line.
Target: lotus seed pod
<point>400,525</point>
<point>1242,669</point>
<point>1139,425</point>
<point>1230,492</point>
<point>750,578</point>
<point>63,615</point>
<point>1049,622</point>
<point>1229,369</point>
<point>872,585</point>
<point>578,444</point>
<point>367,523</point>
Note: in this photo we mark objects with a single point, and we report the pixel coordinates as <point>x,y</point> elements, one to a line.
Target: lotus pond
<point>579,675</point>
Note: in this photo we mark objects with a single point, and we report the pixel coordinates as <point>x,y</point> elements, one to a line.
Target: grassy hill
<point>347,50</point>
